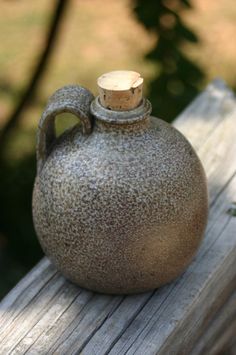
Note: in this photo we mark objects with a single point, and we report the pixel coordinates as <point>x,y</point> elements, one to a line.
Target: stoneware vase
<point>120,200</point>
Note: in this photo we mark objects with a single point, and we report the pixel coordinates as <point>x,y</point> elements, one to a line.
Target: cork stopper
<point>120,90</point>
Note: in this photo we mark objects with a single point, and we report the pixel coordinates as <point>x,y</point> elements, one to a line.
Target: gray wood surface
<point>196,314</point>
<point>223,322</point>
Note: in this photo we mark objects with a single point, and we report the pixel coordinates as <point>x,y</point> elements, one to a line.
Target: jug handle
<point>72,99</point>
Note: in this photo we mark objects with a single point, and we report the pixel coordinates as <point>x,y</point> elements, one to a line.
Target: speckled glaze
<point>119,206</point>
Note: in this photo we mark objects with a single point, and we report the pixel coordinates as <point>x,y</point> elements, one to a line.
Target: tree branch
<point>30,90</point>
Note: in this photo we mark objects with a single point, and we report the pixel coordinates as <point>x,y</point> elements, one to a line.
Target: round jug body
<point>122,209</point>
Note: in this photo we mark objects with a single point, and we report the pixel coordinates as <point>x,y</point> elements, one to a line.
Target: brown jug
<point>120,204</point>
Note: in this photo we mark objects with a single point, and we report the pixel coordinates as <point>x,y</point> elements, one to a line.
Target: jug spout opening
<point>138,114</point>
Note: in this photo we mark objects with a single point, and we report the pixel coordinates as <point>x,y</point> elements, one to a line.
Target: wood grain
<point>223,319</point>
<point>45,314</point>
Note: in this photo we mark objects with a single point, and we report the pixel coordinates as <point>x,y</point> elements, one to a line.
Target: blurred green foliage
<point>20,249</point>
<point>177,79</point>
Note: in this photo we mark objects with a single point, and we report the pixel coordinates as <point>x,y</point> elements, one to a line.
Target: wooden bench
<point>196,314</point>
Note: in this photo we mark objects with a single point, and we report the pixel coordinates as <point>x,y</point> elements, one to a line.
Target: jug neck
<point>127,118</point>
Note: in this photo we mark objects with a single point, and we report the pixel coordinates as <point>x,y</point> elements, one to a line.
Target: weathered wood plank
<point>223,342</point>
<point>221,321</point>
<point>202,116</point>
<point>24,292</point>
<point>231,344</point>
<point>80,329</point>
<point>46,314</point>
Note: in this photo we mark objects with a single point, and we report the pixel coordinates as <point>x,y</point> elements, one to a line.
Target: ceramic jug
<point>120,200</point>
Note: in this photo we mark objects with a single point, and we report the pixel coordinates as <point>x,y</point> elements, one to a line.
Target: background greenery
<point>177,45</point>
